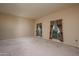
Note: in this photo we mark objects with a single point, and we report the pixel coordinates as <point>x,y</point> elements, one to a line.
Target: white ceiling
<point>31,10</point>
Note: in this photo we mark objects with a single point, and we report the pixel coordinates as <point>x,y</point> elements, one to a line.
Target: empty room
<point>39,29</point>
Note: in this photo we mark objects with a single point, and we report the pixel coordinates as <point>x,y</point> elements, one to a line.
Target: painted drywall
<point>70,17</point>
<point>12,26</point>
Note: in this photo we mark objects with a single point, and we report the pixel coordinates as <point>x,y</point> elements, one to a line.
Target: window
<point>39,29</point>
<point>56,30</point>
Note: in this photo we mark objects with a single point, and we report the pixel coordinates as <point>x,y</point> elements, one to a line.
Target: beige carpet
<point>35,47</point>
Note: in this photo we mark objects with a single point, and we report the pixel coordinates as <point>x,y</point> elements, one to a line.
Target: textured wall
<point>70,17</point>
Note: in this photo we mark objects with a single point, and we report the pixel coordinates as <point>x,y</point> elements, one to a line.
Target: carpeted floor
<point>35,47</point>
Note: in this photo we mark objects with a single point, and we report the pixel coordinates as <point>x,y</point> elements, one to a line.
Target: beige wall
<point>13,26</point>
<point>70,17</point>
